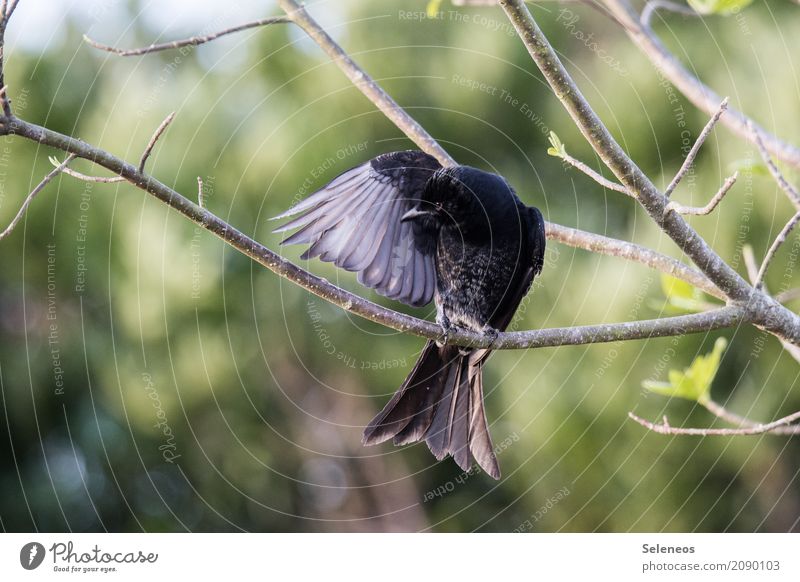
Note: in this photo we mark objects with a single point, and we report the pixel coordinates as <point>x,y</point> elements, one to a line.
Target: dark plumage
<point>415,231</point>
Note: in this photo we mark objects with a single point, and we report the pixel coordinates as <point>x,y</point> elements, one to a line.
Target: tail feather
<point>441,402</point>
<point>459,427</point>
<point>480,441</point>
<point>405,406</point>
<point>438,434</point>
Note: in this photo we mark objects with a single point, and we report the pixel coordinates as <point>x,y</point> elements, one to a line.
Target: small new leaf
<point>694,382</point>
<point>557,150</point>
<point>718,6</point>
<point>682,295</point>
<point>432,9</point>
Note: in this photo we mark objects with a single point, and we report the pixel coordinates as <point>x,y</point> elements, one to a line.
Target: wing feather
<point>354,222</point>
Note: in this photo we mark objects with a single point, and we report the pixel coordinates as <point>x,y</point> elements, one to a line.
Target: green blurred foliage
<point>153,379</point>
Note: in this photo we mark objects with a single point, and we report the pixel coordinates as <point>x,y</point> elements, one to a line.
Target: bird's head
<point>464,198</point>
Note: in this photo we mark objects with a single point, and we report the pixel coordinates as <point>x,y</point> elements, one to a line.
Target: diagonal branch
<point>695,90</point>
<point>616,248</point>
<point>767,312</point>
<point>776,244</point>
<point>29,198</point>
<point>784,184</point>
<point>191,41</point>
<point>152,143</point>
<point>687,163</point>
<point>364,83</point>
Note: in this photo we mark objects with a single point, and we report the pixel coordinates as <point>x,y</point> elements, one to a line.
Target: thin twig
<point>784,184</point>
<point>792,350</point>
<point>4,101</point>
<point>788,295</point>
<point>750,262</point>
<point>200,202</point>
<point>740,421</point>
<point>151,144</point>
<point>85,178</point>
<point>665,428</point>
<point>612,247</point>
<point>596,176</point>
<point>776,244</point>
<point>687,163</point>
<point>12,5</point>
<point>700,94</point>
<point>191,41</point>
<point>752,272</point>
<point>708,208</point>
<point>653,5</point>
<point>29,198</point>
<point>142,161</point>
<point>366,84</point>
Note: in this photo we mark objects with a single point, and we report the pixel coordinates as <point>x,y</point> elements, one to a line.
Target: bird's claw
<point>492,334</point>
<point>447,327</point>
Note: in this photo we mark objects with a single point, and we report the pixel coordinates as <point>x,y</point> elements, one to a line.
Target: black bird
<point>415,231</point>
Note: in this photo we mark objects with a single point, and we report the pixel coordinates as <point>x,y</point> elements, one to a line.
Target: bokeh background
<point>154,379</point>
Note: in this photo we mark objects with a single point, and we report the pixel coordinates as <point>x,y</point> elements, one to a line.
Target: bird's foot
<point>447,327</point>
<point>492,334</point>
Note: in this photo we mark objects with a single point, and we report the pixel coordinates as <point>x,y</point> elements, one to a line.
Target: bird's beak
<point>414,213</point>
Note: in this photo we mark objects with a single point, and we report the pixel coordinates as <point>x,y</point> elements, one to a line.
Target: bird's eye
<point>438,206</point>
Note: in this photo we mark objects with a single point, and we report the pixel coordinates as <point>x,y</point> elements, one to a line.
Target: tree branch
<point>695,90</point>
<point>200,201</point>
<point>653,5</point>
<point>29,198</point>
<point>365,83</point>
<point>152,143</point>
<point>616,248</point>
<point>5,14</point>
<point>740,421</point>
<point>708,208</point>
<point>784,184</point>
<point>724,317</point>
<point>665,428</point>
<point>767,312</point>
<point>142,160</point>
<point>680,325</point>
<point>687,163</point>
<point>788,295</point>
<point>776,244</point>
<point>191,41</point>
<point>596,176</point>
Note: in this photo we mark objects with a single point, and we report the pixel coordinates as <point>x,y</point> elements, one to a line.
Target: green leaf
<point>674,287</point>
<point>433,8</point>
<point>682,295</point>
<point>694,382</point>
<point>718,6</point>
<point>557,150</point>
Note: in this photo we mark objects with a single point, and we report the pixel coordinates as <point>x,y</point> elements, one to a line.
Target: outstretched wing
<point>354,222</point>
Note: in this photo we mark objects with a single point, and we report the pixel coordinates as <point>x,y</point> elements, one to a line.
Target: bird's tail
<point>441,401</point>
